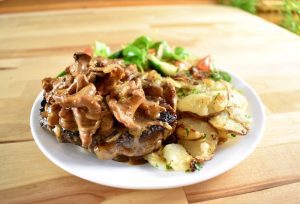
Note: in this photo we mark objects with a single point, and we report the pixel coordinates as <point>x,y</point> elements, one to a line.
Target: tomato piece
<point>88,51</point>
<point>204,64</point>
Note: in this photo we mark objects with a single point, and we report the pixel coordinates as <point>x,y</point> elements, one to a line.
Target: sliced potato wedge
<point>156,160</point>
<point>237,100</point>
<point>177,157</point>
<point>204,104</point>
<point>193,129</point>
<point>240,116</point>
<point>207,98</point>
<point>224,134</point>
<point>223,121</point>
<point>202,149</point>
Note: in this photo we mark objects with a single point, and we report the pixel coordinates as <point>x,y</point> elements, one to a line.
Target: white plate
<point>85,165</point>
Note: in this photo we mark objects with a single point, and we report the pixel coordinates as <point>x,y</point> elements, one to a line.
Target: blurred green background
<point>285,13</point>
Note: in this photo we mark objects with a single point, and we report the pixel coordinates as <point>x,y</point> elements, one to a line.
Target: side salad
<point>147,54</point>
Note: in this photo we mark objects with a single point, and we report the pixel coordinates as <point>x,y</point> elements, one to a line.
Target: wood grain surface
<point>11,6</point>
<point>40,44</point>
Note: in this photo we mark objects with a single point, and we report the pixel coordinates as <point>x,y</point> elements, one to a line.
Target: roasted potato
<point>202,149</point>
<point>177,157</point>
<point>206,99</point>
<point>203,104</point>
<point>156,160</point>
<point>240,116</point>
<point>223,121</point>
<point>237,100</point>
<point>193,129</point>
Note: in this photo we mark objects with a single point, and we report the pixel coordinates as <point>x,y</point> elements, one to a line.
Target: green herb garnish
<point>168,166</point>
<point>233,135</point>
<point>248,116</point>
<point>182,92</point>
<point>187,73</point>
<point>198,166</point>
<point>63,73</point>
<point>187,131</point>
<point>216,96</point>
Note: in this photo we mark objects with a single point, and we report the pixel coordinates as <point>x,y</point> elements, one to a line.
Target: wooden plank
<point>22,163</point>
<point>283,194</point>
<point>43,5</point>
<point>70,189</point>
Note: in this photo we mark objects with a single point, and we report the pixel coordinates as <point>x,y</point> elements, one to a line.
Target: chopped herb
<point>187,131</point>
<point>168,166</point>
<point>187,72</point>
<point>217,95</point>
<point>198,166</point>
<point>63,73</point>
<point>188,170</point>
<point>204,136</point>
<point>182,92</point>
<point>233,135</point>
<point>215,76</point>
<point>248,116</point>
<point>195,91</point>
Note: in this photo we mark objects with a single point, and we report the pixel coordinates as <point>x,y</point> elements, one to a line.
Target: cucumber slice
<point>164,68</point>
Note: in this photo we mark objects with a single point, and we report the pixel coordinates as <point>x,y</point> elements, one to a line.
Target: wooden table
<point>35,45</point>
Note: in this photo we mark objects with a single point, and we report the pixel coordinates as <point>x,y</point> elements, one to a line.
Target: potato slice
<point>234,119</point>
<point>224,134</point>
<point>223,121</point>
<point>202,149</point>
<point>156,160</point>
<point>204,104</point>
<point>240,116</point>
<point>207,98</point>
<point>237,100</point>
<point>193,129</point>
<point>177,157</point>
